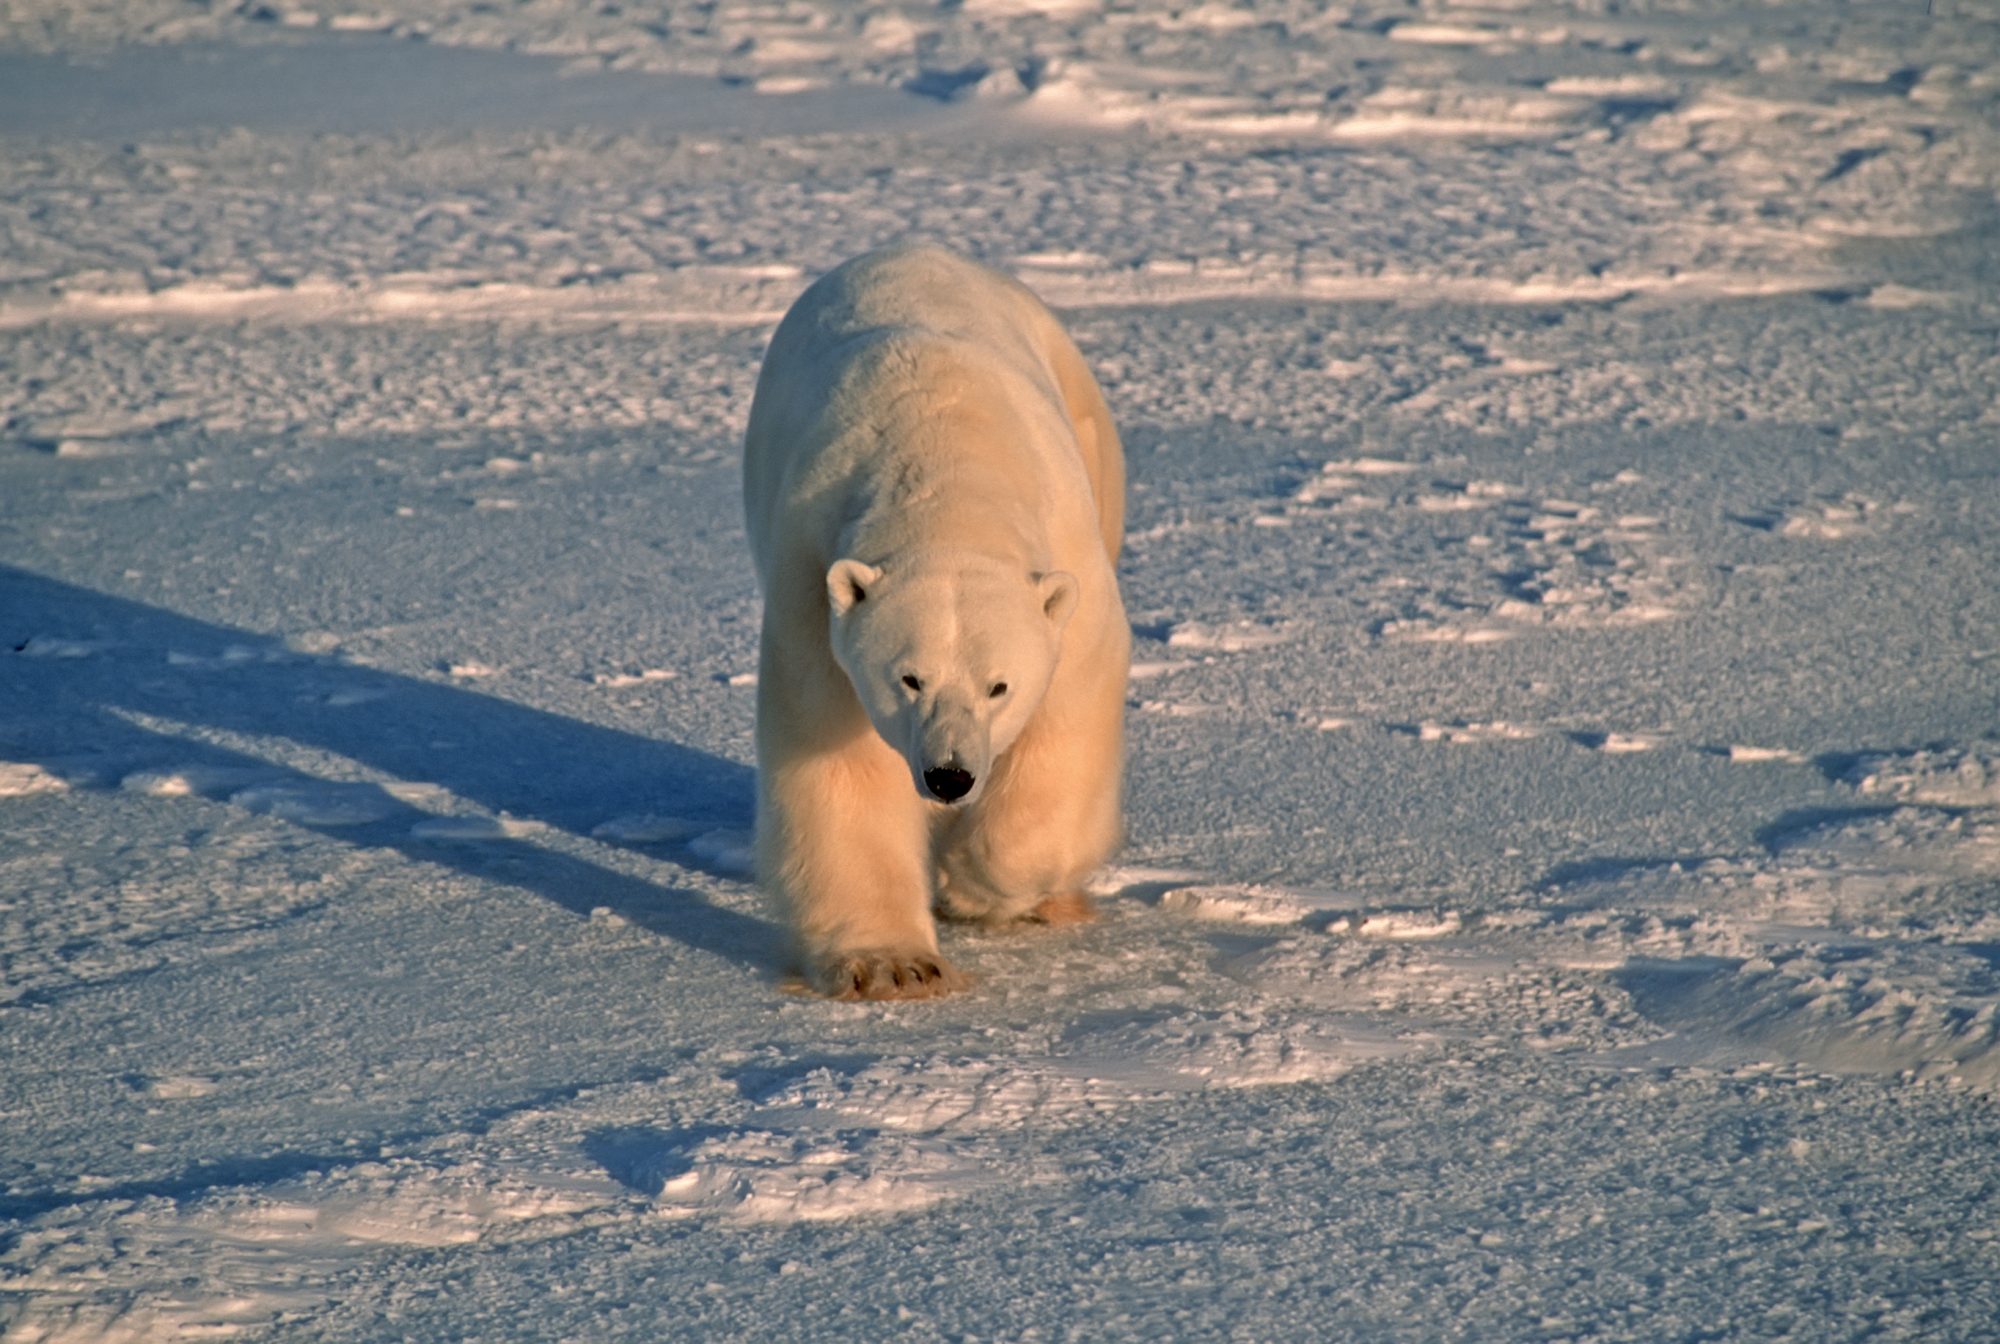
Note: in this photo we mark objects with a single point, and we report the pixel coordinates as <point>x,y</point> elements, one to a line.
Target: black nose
<point>948,783</point>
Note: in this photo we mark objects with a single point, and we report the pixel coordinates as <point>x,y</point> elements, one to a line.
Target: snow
<point>1562,898</point>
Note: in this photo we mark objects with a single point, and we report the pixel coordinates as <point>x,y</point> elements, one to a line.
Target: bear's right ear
<point>848,582</point>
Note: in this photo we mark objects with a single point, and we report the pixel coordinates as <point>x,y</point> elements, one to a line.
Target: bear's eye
<point>914,682</point>
<point>999,689</point>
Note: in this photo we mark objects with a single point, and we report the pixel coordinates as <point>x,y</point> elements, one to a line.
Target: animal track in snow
<point>19,779</point>
<point>1328,912</point>
<point>1462,733</point>
<point>1230,637</point>
<point>723,851</point>
<point>470,669</point>
<point>1859,942</point>
<point>1252,904</point>
<point>1966,776</point>
<point>1826,517</point>
<point>1529,561</point>
<point>1851,942</point>
<point>317,802</point>
<point>1145,1059</point>
<point>1177,709</point>
<point>647,828</point>
<point>1914,840</point>
<point>1618,744</point>
<point>467,829</point>
<point>623,680</point>
<point>1915,1010</point>
<point>729,853</point>
<point>840,1140</point>
<point>58,646</point>
<point>751,1174</point>
<point>270,1249</point>
<point>230,655</point>
<point>1148,669</point>
<point>1740,754</point>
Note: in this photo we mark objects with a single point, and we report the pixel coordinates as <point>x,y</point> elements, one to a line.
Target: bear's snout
<point>948,783</point>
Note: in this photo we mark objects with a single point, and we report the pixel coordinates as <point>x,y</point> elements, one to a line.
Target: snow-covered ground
<point>1563,893</point>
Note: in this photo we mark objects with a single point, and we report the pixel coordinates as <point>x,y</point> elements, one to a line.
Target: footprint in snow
<point>1825,517</point>
<point>1225,637</point>
<point>1618,744</point>
<point>1967,776</point>
<point>1463,733</point>
<point>723,851</point>
<point>59,646</point>
<point>467,829</point>
<point>21,779</point>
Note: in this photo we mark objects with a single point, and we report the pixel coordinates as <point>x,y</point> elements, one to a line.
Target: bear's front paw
<point>887,975</point>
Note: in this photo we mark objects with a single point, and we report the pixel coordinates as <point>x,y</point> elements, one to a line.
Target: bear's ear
<point>1059,593</point>
<point>848,582</point>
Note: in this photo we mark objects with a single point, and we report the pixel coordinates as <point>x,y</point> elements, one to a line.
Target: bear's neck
<point>967,507</point>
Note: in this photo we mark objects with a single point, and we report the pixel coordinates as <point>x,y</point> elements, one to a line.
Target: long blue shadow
<point>77,666</point>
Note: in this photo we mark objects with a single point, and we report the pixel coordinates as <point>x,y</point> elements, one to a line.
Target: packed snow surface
<point>1562,898</point>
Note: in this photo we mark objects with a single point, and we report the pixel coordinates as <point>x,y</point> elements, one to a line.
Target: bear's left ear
<point>848,582</point>
<point>1059,594</point>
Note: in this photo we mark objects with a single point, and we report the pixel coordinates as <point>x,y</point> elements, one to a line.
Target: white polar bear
<point>935,498</point>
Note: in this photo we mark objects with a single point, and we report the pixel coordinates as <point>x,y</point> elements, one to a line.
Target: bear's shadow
<point>93,687</point>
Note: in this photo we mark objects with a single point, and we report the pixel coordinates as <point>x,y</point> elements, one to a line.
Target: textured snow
<point>1562,898</point>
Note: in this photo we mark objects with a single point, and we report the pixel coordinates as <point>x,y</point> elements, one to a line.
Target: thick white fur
<point>934,489</point>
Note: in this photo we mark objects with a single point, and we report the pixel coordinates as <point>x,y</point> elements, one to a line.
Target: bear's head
<point>950,662</point>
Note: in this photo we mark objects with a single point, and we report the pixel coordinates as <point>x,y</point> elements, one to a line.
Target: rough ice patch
<point>267,1251</point>
<point>1145,1057</point>
<point>1862,942</point>
<point>1911,1010</point>
<point>1966,776</point>
<point>1248,1046</point>
<point>752,1174</point>
<point>1917,840</point>
<point>397,1202</point>
<point>930,1096</point>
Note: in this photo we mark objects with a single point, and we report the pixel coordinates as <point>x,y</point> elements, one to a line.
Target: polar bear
<point>935,499</point>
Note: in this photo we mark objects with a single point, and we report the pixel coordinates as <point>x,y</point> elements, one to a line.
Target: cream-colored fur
<point>935,499</point>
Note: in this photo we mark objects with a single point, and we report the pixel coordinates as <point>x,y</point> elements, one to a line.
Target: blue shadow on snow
<point>82,673</point>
